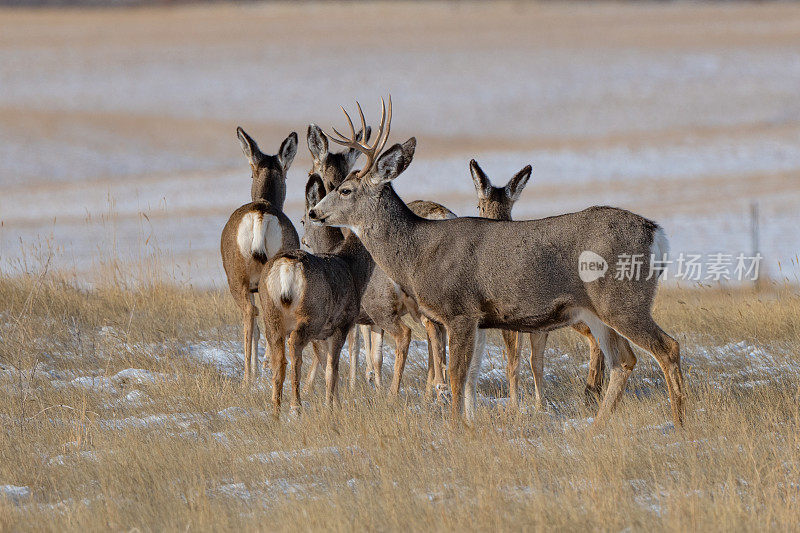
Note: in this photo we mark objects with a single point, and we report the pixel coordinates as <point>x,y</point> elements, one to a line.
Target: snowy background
<point>117,132</point>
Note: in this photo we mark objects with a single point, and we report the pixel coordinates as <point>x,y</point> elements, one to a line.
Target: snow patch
<point>14,493</point>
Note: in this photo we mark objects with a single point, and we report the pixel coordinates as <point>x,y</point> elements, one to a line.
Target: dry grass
<point>184,447</point>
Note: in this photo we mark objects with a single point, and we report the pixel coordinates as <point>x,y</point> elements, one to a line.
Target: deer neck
<point>275,195</point>
<point>392,234</point>
<point>358,260</point>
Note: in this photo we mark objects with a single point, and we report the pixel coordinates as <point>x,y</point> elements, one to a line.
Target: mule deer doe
<point>254,233</point>
<point>469,273</point>
<point>307,297</point>
<point>383,304</point>
<point>496,203</point>
<point>332,168</point>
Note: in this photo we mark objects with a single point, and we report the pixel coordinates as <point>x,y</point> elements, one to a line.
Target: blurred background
<point>117,125</point>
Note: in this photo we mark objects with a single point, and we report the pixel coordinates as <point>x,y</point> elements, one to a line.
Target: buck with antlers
<point>255,232</point>
<point>470,273</point>
<point>496,203</point>
<point>383,304</point>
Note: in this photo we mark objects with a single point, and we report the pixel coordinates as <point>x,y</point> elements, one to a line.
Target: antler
<point>370,151</point>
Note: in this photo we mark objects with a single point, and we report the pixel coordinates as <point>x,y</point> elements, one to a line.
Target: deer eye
<point>345,192</point>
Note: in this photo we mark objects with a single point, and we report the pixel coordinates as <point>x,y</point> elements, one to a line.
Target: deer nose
<point>312,214</point>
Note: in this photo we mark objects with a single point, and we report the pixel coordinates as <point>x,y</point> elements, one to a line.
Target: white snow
<point>14,493</point>
<point>136,376</point>
<point>228,358</point>
<point>292,455</point>
<point>92,383</point>
<point>232,413</point>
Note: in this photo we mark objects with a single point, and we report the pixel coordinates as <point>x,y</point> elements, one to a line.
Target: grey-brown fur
<point>268,191</point>
<point>323,306</point>
<point>470,273</point>
<point>382,306</point>
<point>496,203</point>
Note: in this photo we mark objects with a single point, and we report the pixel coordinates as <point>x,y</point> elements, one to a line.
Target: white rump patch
<point>259,235</point>
<point>286,282</point>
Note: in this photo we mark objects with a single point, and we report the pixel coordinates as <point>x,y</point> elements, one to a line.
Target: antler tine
<point>363,124</point>
<point>351,141</point>
<point>386,122</point>
<point>370,151</point>
<point>342,138</point>
<point>349,123</point>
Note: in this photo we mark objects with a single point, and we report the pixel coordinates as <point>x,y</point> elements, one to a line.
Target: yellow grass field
<point>112,419</point>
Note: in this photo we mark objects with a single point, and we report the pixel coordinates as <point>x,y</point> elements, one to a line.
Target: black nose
<point>312,214</point>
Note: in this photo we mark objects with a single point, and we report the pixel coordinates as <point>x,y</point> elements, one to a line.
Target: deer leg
<point>644,332</point>
<point>513,345</point>
<point>538,342</point>
<point>319,350</point>
<point>297,341</point>
<point>402,340</point>
<point>462,333</point>
<point>278,363</point>
<point>594,381</point>
<point>376,346</point>
<point>430,376</point>
<point>254,338</point>
<point>335,344</point>
<point>471,389</point>
<point>429,381</point>
<point>621,360</point>
<point>436,355</point>
<point>353,348</point>
<point>369,372</point>
<point>249,318</point>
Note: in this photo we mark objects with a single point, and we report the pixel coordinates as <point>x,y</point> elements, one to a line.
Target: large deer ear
<point>317,143</point>
<point>517,183</point>
<point>408,152</point>
<point>315,191</point>
<point>482,184</point>
<point>390,164</point>
<point>287,151</point>
<point>249,146</point>
<point>352,154</point>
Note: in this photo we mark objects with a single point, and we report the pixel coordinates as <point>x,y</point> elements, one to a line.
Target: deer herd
<point>370,259</point>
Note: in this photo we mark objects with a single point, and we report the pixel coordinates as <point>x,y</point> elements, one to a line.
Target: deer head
<point>350,204</point>
<point>332,167</point>
<point>496,202</point>
<point>268,171</point>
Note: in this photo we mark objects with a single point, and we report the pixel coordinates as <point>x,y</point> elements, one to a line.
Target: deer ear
<point>366,138</point>
<point>481,180</point>
<point>409,147</point>
<point>287,151</point>
<point>249,146</point>
<point>317,142</point>
<point>315,191</point>
<point>517,183</point>
<point>390,164</point>
<point>352,154</point>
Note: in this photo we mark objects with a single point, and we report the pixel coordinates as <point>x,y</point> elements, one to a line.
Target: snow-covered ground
<point>122,143</point>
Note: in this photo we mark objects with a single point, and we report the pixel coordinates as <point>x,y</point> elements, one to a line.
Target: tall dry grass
<point>184,447</point>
